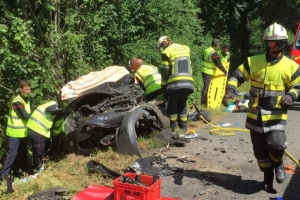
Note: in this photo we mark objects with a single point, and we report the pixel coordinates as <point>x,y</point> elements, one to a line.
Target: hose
<point>292,158</point>
<point>230,132</point>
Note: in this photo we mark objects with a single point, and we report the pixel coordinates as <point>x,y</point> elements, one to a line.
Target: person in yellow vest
<point>148,78</point>
<point>275,85</point>
<point>211,61</point>
<point>38,127</point>
<point>16,133</point>
<point>224,55</point>
<point>177,80</point>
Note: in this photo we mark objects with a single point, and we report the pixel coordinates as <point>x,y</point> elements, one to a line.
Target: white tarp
<point>109,74</point>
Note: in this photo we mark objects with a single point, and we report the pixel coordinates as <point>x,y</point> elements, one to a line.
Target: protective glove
<point>286,101</point>
<point>228,95</point>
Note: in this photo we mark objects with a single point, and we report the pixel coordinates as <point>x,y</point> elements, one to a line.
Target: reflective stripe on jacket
<point>269,83</point>
<point>16,127</point>
<point>40,121</point>
<point>176,71</point>
<point>149,77</point>
<point>208,66</point>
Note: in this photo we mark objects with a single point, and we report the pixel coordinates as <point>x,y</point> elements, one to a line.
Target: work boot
<point>8,181</point>
<point>268,182</point>
<point>280,173</point>
<point>173,125</point>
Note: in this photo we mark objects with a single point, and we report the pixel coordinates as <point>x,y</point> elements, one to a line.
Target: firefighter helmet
<point>161,40</point>
<point>275,32</point>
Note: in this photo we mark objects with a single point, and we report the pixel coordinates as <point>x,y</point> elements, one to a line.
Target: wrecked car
<point>111,114</point>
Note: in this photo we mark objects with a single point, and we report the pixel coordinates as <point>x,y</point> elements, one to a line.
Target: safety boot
<point>268,182</point>
<point>173,125</point>
<point>8,181</point>
<point>280,172</point>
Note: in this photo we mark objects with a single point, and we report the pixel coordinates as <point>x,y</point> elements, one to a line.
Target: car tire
<point>72,146</point>
<point>159,111</point>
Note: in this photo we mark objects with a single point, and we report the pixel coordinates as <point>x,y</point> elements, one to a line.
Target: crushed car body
<point>110,114</point>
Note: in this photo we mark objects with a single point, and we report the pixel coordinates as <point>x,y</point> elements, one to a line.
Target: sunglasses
<point>276,43</point>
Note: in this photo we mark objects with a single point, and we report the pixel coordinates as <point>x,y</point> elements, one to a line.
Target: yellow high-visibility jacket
<point>176,71</point>
<point>208,66</point>
<point>40,121</point>
<point>149,77</point>
<point>16,127</point>
<point>269,83</point>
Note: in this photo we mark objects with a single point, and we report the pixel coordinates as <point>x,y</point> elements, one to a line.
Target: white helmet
<point>275,32</point>
<point>161,40</point>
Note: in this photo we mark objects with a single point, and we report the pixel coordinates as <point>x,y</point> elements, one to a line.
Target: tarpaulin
<point>110,74</point>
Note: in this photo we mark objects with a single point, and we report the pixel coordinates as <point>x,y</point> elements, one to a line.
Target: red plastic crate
<point>126,191</point>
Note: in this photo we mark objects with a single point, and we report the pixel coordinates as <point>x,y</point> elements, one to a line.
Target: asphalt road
<point>218,167</point>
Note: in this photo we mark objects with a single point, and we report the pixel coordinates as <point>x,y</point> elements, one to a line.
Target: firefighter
<point>211,61</point>
<point>177,79</point>
<point>16,133</point>
<point>38,127</point>
<point>275,85</point>
<point>148,78</point>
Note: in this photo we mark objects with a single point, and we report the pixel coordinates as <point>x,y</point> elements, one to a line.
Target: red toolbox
<point>127,191</point>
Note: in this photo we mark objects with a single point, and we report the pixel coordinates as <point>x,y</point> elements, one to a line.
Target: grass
<point>70,172</point>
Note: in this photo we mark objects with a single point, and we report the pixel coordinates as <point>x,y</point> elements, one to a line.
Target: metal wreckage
<point>113,114</point>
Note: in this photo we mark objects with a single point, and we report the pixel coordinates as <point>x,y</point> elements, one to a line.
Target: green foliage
<point>52,42</point>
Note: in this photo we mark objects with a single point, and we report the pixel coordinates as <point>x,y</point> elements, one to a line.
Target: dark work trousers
<point>177,108</point>
<point>269,148</point>
<point>38,142</point>
<point>16,154</point>
<point>206,81</point>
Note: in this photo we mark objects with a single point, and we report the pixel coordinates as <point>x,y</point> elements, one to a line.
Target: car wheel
<point>73,146</point>
<point>159,111</point>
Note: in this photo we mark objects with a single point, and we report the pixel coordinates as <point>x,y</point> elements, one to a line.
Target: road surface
<point>221,168</point>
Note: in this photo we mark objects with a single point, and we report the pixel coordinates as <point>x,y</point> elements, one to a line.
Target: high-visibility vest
<point>16,127</point>
<point>224,59</point>
<point>208,66</point>
<point>176,67</point>
<point>268,86</point>
<point>58,126</point>
<point>40,121</point>
<point>149,77</point>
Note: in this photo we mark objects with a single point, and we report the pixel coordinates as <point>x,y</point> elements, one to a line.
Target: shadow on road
<point>292,190</point>
<point>227,181</point>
